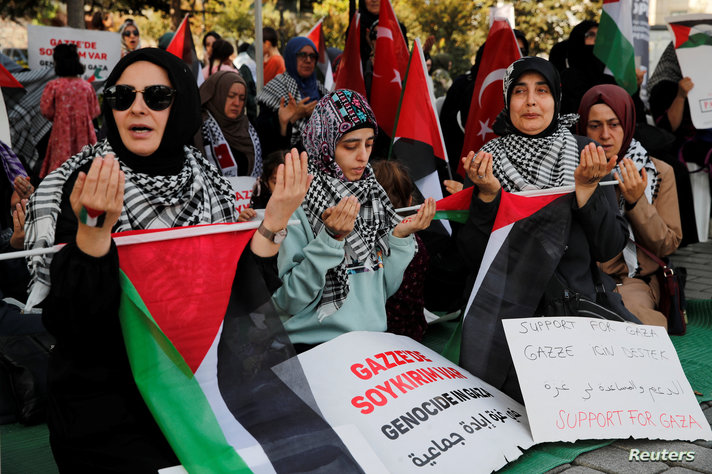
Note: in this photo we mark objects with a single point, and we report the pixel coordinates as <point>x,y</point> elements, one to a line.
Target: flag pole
<point>173,234</point>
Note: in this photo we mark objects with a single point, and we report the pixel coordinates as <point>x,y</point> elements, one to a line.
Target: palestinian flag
<point>418,142</point>
<point>487,102</point>
<point>390,65</point>
<point>523,250</point>
<point>7,79</point>
<point>182,46</point>
<point>614,42</point>
<point>692,33</point>
<point>316,34</point>
<point>455,207</point>
<point>349,73</point>
<point>202,337</point>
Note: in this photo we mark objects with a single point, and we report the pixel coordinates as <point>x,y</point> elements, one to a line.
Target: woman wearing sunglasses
<point>130,39</point>
<point>143,176</point>
<point>289,99</point>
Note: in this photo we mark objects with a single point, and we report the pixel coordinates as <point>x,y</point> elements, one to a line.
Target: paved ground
<point>697,259</point>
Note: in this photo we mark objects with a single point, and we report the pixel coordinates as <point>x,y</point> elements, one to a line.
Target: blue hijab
<point>308,86</point>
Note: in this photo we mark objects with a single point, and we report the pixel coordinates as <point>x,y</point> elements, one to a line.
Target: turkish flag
<point>316,34</point>
<point>389,68</point>
<point>349,73</point>
<point>487,101</point>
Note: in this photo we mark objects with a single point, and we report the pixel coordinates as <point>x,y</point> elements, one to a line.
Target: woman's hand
<point>684,87</point>
<point>479,170</point>
<point>340,219</point>
<point>286,113</point>
<point>99,191</point>
<point>419,221</point>
<point>246,215</point>
<point>305,108</point>
<point>452,186</point>
<point>633,183</point>
<point>17,239</point>
<point>592,167</point>
<point>23,187</point>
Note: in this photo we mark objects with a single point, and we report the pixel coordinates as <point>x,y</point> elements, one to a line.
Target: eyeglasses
<point>128,33</point>
<point>121,97</point>
<point>307,56</point>
<point>590,34</point>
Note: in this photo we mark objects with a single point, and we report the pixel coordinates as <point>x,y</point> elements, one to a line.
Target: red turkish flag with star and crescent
<point>487,98</point>
<point>389,68</point>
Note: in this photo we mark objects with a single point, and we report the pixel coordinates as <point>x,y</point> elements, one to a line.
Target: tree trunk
<point>176,14</point>
<point>75,13</point>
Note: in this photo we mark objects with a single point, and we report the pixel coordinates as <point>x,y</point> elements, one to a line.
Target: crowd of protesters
<point>352,263</point>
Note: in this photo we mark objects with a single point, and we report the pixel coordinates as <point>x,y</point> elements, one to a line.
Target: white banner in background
<point>418,411</point>
<point>242,185</point>
<point>585,378</point>
<point>99,51</point>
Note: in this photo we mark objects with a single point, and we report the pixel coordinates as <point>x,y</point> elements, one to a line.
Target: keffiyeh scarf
<point>197,195</point>
<point>522,163</point>
<point>640,157</point>
<point>280,87</point>
<point>218,151</point>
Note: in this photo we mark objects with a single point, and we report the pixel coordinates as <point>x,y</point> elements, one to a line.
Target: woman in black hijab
<point>143,176</point>
<point>536,151</point>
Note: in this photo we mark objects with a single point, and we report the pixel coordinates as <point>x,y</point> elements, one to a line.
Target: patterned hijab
<point>337,114</point>
<point>622,105</point>
<point>195,194</point>
<point>213,95</point>
<point>541,161</point>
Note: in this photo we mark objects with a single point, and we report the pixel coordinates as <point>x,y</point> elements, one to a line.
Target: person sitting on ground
<point>350,250</point>
<point>143,176</point>
<point>405,308</point>
<point>536,151</point>
<point>227,138</point>
<point>288,100</point>
<point>647,198</point>
<point>264,185</point>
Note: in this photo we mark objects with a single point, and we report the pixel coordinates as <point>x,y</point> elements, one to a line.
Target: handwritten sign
<point>99,51</point>
<point>242,185</point>
<point>585,378</point>
<point>418,411</point>
<point>692,35</point>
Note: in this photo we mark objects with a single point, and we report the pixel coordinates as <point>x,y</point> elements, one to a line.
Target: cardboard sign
<point>585,378</point>
<point>692,36</point>
<point>242,185</point>
<point>417,411</point>
<point>99,51</point>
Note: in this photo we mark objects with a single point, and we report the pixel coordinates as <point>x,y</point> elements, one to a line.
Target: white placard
<point>99,51</point>
<point>585,378</point>
<point>242,185</point>
<point>696,63</point>
<point>418,411</point>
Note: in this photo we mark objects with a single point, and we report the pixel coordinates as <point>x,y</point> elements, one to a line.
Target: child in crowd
<point>264,185</point>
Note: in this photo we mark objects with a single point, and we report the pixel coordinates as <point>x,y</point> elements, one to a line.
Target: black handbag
<point>672,292</point>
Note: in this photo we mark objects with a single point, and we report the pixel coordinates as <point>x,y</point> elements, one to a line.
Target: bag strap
<point>667,270</point>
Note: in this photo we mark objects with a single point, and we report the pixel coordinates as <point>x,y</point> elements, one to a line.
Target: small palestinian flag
<point>91,217</point>
<point>455,207</point>
<point>692,33</point>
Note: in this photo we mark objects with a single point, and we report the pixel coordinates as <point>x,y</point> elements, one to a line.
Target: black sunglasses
<point>305,56</point>
<point>129,33</point>
<point>121,97</point>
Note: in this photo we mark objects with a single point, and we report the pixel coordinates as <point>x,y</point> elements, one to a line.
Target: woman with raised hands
<point>143,176</point>
<point>536,151</point>
<point>647,197</point>
<point>350,251</point>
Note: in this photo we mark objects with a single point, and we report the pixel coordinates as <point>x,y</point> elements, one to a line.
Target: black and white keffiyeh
<point>215,145</point>
<point>335,115</point>
<point>197,195</point>
<point>522,163</point>
<point>640,157</point>
<point>279,88</point>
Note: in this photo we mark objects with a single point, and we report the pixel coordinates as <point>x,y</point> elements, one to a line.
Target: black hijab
<point>503,125</point>
<point>183,121</point>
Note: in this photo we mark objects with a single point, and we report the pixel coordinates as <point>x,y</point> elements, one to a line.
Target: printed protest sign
<point>418,411</point>
<point>692,37</point>
<point>585,378</point>
<point>99,51</point>
<point>242,185</point>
